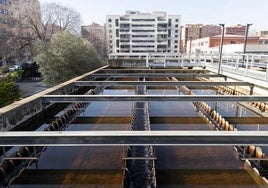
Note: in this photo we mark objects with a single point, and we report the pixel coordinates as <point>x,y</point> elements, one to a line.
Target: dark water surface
<point>98,167</point>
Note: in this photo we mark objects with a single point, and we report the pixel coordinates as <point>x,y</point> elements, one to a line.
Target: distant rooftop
<point>159,13</point>
<point>233,36</point>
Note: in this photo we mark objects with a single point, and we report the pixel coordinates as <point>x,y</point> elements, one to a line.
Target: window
<point>4,2</point>
<point>110,20</point>
<point>143,25</point>
<point>233,42</point>
<point>3,11</point>
<point>117,43</point>
<point>117,33</point>
<point>176,31</point>
<point>4,21</point>
<point>143,31</point>
<point>177,20</point>
<point>116,23</point>
<point>176,41</point>
<point>140,20</point>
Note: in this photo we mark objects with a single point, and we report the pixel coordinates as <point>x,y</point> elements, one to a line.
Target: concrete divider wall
<point>19,111</point>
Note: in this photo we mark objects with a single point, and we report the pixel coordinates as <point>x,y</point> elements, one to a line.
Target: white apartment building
<point>137,32</point>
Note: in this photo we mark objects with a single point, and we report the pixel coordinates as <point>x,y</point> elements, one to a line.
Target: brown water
<point>103,166</point>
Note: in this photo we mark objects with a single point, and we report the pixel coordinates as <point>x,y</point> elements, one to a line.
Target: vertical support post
<point>237,62</point>
<point>147,60</point>
<point>244,152</point>
<point>266,75</point>
<point>211,59</point>
<point>251,89</point>
<point>247,60</point>
<point>182,61</point>
<point>190,48</point>
<point>252,61</point>
<point>165,60</point>
<point>245,42</point>
<point>220,59</point>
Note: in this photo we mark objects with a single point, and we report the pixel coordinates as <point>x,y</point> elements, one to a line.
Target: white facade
<point>238,48</point>
<point>137,32</point>
<point>198,45</point>
<point>203,46</point>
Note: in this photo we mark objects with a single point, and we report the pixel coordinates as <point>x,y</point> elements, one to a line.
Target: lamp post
<point>245,41</point>
<point>190,46</point>
<point>222,37</point>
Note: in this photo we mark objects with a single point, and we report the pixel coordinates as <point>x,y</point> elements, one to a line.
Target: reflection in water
<point>102,166</point>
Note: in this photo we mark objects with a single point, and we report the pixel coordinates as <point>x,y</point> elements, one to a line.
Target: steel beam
<point>135,138</point>
<point>153,120</point>
<point>154,75</point>
<point>159,83</point>
<point>154,71</point>
<point>170,120</point>
<point>247,120</point>
<point>139,158</point>
<point>191,98</point>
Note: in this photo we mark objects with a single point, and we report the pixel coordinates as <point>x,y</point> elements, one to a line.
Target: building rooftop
<point>233,36</point>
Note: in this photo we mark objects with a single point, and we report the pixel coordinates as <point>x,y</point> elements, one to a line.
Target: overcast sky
<point>229,12</point>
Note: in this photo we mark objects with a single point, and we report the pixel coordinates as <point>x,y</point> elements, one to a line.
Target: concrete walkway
<point>261,86</point>
<point>29,88</point>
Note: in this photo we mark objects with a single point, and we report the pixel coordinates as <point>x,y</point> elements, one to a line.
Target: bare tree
<point>34,23</point>
<point>57,17</point>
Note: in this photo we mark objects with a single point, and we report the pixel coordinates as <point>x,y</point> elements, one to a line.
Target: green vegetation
<point>8,93</point>
<point>66,56</point>
<point>16,75</point>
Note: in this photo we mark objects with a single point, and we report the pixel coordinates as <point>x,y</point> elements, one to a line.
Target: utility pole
<point>190,46</point>
<point>245,42</point>
<point>222,37</point>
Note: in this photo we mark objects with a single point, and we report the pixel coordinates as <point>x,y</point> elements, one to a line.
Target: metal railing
<point>249,65</point>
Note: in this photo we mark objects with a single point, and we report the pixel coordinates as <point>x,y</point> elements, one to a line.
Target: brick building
<point>212,44</point>
<point>4,15</point>
<point>11,10</point>
<point>96,35</point>
<point>197,31</point>
<point>236,29</point>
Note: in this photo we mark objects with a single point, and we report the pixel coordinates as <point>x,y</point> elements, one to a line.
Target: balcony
<point>162,21</point>
<point>124,36</point>
<point>122,32</point>
<point>124,41</point>
<point>143,34</point>
<point>162,42</point>
<point>162,32</point>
